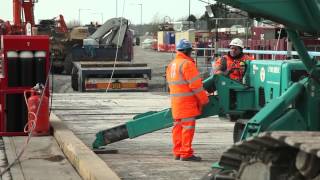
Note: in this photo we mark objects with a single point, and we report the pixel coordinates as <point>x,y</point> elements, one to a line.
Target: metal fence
<point>206,58</point>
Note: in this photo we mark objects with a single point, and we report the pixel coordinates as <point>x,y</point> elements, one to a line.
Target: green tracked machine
<point>276,108</point>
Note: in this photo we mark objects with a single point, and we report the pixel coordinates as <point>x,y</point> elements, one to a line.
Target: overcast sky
<point>92,10</point>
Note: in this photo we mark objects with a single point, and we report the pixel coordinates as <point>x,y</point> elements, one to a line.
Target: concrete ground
<point>148,156</point>
<point>42,159</point>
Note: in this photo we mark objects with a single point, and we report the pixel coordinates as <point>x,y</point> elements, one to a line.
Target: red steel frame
<point>18,43</point>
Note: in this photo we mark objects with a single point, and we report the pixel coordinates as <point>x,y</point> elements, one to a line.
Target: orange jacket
<point>233,66</point>
<point>186,88</point>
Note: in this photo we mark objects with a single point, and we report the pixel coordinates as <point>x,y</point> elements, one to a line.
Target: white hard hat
<point>237,42</point>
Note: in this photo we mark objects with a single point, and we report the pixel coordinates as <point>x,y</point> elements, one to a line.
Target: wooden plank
<point>97,117</point>
<point>111,95</point>
<point>106,108</point>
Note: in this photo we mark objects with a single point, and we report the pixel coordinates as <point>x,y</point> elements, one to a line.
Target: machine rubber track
<point>277,155</point>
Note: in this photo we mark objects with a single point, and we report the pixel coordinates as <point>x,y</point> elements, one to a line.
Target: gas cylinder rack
<point>24,63</point>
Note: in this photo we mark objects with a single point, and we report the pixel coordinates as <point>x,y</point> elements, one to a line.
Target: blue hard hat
<point>183,44</point>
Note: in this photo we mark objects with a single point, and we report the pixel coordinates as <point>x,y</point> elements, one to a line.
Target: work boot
<point>176,157</point>
<point>192,158</point>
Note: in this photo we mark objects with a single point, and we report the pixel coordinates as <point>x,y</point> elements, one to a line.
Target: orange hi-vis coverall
<point>187,98</point>
<point>233,66</point>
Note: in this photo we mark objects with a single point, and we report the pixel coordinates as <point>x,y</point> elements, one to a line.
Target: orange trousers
<point>182,136</point>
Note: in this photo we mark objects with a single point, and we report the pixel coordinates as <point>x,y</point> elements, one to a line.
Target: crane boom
<point>23,13</point>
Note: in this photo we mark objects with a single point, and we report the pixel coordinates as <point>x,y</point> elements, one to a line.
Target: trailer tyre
<point>68,64</point>
<point>74,79</point>
<point>57,70</point>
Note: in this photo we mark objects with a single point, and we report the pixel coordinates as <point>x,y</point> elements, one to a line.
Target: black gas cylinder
<point>13,72</point>
<point>26,68</point>
<point>13,113</point>
<point>40,65</point>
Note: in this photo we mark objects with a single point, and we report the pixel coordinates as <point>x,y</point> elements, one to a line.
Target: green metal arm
<point>303,53</point>
<point>147,123</point>
<point>163,119</point>
<point>151,121</point>
<point>272,116</point>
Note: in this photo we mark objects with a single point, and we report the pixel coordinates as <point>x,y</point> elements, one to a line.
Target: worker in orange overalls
<point>232,64</point>
<point>187,99</point>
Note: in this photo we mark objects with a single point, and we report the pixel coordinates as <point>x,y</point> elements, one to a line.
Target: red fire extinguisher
<point>38,119</point>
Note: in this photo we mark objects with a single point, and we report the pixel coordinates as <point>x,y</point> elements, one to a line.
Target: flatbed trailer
<point>119,76</point>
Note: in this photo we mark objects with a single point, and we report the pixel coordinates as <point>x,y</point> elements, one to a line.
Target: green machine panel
<point>271,78</point>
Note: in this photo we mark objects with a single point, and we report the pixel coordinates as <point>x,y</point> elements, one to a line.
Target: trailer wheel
<point>57,70</point>
<point>68,64</point>
<point>74,79</point>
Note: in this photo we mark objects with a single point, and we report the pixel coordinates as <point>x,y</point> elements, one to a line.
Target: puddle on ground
<point>56,158</point>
